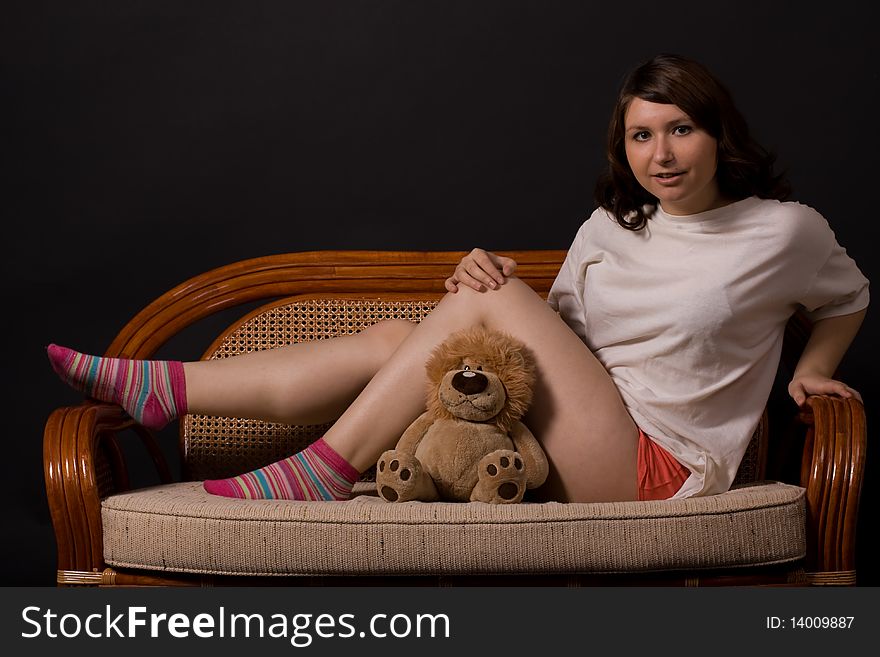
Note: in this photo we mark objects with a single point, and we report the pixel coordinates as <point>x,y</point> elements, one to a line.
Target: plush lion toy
<point>470,444</point>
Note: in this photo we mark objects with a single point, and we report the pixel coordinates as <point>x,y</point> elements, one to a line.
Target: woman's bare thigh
<point>577,413</point>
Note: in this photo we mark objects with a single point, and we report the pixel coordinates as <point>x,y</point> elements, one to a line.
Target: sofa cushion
<point>181,528</point>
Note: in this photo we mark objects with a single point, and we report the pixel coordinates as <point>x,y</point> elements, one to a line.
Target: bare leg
<point>577,413</point>
<point>306,383</point>
<point>309,383</point>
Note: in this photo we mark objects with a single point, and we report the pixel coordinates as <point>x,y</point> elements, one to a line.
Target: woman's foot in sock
<point>316,473</point>
<point>153,392</point>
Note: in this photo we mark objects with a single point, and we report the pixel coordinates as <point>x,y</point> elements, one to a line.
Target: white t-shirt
<point>688,314</point>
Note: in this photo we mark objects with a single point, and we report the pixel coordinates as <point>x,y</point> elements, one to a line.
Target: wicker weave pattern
<point>220,446</point>
<point>750,468</point>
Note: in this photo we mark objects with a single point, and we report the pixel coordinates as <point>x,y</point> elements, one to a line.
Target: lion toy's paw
<point>400,478</point>
<point>502,478</point>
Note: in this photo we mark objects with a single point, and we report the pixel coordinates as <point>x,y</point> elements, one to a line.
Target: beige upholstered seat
<point>175,533</point>
<point>205,534</point>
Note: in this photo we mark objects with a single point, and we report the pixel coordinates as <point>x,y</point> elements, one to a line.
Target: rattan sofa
<point>797,532</point>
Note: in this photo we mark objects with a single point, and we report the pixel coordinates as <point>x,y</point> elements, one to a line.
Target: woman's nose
<point>663,151</point>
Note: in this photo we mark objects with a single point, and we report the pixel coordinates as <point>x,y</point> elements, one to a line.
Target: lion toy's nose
<point>469,382</point>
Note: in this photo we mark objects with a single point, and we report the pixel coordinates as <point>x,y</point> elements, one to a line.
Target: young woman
<point>656,352</point>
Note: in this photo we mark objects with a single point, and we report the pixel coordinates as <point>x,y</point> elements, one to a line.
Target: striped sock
<point>153,392</point>
<point>315,473</point>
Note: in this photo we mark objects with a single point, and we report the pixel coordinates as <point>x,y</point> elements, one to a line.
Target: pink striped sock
<point>153,392</point>
<point>316,473</point>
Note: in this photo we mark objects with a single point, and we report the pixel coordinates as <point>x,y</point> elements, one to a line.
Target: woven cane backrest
<point>216,447</point>
<point>752,467</point>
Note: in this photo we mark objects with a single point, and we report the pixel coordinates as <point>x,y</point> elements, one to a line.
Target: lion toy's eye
<point>467,368</point>
<point>480,368</point>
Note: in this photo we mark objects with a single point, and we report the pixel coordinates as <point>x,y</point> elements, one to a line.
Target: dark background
<point>146,142</point>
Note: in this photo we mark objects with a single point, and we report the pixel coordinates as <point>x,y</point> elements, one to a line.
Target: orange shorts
<point>660,475</point>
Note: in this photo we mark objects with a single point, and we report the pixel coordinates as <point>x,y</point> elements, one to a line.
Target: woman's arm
<point>828,343</point>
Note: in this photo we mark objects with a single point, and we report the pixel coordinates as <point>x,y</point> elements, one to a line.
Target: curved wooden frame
<point>347,272</point>
<point>833,456</point>
<point>833,467</point>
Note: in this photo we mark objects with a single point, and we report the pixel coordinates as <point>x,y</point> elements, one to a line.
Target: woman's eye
<point>642,135</point>
<point>682,130</point>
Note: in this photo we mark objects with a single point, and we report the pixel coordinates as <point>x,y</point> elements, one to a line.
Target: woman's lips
<point>667,178</point>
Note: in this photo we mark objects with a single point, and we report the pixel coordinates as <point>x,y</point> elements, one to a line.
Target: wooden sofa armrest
<point>82,463</point>
<point>832,470</point>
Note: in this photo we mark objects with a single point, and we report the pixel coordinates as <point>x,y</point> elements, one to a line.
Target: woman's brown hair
<point>745,168</point>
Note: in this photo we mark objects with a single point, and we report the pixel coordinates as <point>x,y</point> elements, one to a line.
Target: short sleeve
<point>567,292</point>
<point>838,287</point>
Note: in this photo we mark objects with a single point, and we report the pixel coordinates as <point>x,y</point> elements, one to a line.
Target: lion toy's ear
<point>496,352</point>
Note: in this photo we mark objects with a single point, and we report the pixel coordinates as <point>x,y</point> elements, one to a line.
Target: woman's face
<point>671,157</point>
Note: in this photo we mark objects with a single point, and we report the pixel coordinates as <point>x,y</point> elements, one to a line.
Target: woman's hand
<point>828,342</point>
<point>481,270</point>
<point>816,384</point>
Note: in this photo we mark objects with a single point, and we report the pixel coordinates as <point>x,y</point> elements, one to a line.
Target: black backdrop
<point>146,142</point>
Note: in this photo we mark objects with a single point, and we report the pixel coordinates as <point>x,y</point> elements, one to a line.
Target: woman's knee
<point>386,336</point>
<point>480,305</point>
